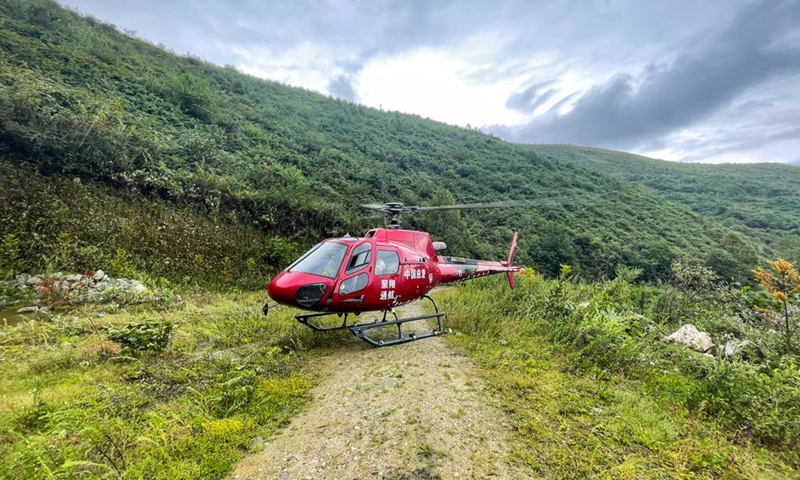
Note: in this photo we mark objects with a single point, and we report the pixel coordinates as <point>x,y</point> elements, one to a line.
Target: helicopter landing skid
<point>360,329</point>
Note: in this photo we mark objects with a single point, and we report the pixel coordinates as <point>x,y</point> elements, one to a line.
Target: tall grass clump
<point>612,331</point>
<point>93,394</point>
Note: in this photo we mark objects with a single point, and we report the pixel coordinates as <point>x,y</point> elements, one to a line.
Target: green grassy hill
<point>760,201</point>
<point>80,101</point>
<point>117,154</point>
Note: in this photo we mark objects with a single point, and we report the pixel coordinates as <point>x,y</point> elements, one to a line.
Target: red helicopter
<point>386,268</point>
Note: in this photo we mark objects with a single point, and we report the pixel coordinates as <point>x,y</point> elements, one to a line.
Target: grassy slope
<point>762,201</point>
<point>69,225</point>
<point>151,135</point>
<point>74,406</point>
<point>592,393</point>
<point>80,99</point>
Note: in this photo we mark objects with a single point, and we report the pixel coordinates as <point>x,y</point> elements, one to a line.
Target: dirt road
<point>413,411</point>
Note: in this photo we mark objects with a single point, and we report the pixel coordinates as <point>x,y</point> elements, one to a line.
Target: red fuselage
<point>386,268</point>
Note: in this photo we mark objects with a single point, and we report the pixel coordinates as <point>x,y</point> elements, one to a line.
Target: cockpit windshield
<point>324,260</point>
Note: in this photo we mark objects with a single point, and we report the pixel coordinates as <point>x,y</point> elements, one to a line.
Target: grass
<point>75,405</point>
<point>588,389</point>
<point>577,414</point>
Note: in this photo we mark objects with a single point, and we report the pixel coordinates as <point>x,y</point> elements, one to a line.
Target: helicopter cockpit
<point>324,259</point>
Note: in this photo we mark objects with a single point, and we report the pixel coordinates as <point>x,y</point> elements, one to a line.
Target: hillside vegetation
<point>120,155</point>
<point>76,404</point>
<point>593,392</point>
<point>760,201</point>
<point>81,101</point>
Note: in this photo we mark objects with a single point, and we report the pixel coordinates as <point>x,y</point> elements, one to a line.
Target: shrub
<point>782,286</point>
<point>147,336</point>
<point>765,406</point>
<point>9,255</point>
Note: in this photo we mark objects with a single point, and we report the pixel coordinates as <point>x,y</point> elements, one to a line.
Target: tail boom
<point>454,269</point>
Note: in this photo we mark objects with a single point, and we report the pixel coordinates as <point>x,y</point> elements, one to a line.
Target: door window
<point>353,284</point>
<point>360,258</point>
<point>387,262</point>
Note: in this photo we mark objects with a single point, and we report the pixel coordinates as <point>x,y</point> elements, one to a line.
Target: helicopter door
<point>387,267</point>
<point>356,278</point>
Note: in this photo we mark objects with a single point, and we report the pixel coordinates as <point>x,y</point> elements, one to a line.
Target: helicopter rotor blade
<point>396,209</point>
<point>548,201</point>
<point>374,206</point>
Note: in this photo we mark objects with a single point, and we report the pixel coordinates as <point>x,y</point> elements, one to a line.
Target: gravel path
<point>413,411</point>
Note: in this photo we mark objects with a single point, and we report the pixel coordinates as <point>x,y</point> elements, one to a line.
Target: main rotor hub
<point>393,210</point>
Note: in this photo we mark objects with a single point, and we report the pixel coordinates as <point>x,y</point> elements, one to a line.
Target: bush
<point>143,337</point>
<point>602,329</point>
<point>765,406</point>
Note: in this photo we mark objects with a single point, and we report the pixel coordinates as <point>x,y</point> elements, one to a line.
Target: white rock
<point>690,336</point>
<point>73,278</point>
<point>30,309</point>
<point>33,280</point>
<point>99,276</point>
<point>731,346</point>
<point>136,287</point>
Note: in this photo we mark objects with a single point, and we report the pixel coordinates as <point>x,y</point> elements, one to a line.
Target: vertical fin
<point>511,251</point>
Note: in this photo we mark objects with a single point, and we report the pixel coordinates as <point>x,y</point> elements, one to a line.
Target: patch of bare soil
<point>412,411</point>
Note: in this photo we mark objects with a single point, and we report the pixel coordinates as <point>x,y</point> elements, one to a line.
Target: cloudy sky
<point>688,80</point>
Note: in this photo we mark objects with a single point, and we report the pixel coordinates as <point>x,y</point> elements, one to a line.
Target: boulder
<point>136,287</point>
<point>732,345</point>
<point>31,309</point>
<point>693,338</point>
<point>78,289</point>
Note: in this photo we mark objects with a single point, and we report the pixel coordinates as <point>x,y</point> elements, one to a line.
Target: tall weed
<point>613,329</point>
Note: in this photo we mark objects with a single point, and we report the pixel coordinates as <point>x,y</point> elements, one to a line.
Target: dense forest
<point>116,149</point>
<point>760,201</point>
<point>201,182</point>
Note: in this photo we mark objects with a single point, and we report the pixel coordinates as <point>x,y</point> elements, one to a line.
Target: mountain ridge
<point>759,200</point>
<point>82,100</point>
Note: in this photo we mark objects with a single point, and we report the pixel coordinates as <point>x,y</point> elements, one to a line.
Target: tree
<point>782,287</point>
<point>552,248</point>
<point>744,255</point>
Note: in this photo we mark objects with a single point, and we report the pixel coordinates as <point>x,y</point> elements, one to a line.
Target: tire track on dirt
<point>413,411</point>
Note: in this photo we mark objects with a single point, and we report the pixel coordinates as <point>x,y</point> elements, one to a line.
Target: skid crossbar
<point>360,329</point>
<point>304,320</point>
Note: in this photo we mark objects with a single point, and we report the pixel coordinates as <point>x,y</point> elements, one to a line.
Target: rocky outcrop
<point>731,347</point>
<point>75,288</point>
<point>693,338</point>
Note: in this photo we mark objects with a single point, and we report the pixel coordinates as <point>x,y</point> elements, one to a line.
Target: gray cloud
<point>342,87</point>
<point>528,100</point>
<point>667,66</point>
<point>626,111</point>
